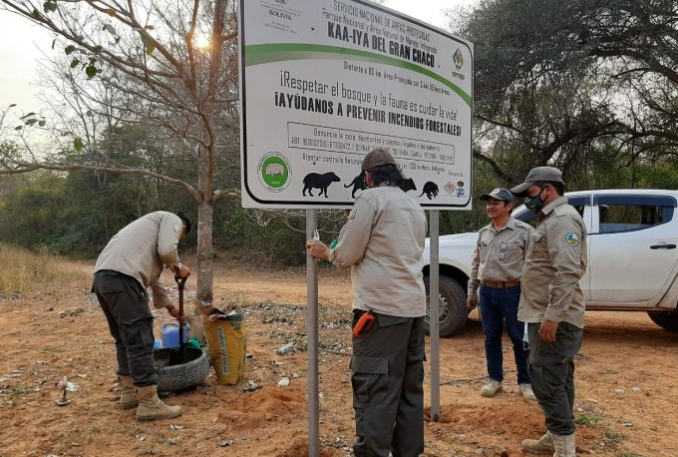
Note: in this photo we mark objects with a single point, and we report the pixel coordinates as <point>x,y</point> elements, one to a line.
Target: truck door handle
<point>663,246</point>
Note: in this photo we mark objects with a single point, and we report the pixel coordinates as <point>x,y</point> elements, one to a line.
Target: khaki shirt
<point>383,243</point>
<point>555,263</point>
<point>142,248</point>
<point>499,255</point>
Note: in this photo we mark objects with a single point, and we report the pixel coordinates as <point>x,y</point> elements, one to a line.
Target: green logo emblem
<point>274,171</point>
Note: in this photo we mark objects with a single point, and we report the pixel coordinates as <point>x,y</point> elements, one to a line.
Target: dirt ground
<point>626,377</point>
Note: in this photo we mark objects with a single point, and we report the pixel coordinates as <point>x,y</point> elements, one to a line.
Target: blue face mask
<point>535,203</point>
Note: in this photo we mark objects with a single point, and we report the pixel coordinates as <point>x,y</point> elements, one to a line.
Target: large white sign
<point>323,82</point>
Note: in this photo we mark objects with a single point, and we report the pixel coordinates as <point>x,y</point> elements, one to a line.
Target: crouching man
<point>130,263</point>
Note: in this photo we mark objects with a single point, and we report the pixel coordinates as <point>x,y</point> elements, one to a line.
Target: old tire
<point>184,375</point>
<point>453,313</point>
<point>666,320</point>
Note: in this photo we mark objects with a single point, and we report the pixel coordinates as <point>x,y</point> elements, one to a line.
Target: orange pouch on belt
<point>364,324</point>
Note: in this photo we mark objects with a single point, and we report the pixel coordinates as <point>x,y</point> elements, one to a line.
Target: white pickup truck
<point>632,257</point>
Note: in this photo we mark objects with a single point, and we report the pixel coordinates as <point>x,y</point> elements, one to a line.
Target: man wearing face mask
<point>496,270</point>
<point>552,303</point>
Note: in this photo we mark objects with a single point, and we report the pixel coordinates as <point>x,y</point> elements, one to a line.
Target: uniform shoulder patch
<point>572,239</point>
<point>178,228</point>
<point>352,214</point>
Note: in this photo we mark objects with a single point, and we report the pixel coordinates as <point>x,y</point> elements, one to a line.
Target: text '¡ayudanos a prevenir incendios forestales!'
<point>317,105</point>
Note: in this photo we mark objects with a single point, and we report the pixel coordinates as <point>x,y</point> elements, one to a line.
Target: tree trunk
<point>205,250</point>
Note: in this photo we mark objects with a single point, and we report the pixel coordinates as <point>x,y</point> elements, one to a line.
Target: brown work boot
<point>128,395</point>
<point>543,445</point>
<point>152,408</point>
<point>564,446</point>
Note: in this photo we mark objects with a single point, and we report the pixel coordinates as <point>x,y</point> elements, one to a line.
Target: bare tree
<point>174,63</point>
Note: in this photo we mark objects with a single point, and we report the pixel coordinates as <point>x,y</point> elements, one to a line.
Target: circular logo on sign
<point>274,172</point>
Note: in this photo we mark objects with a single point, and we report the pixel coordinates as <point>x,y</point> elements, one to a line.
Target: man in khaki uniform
<point>496,269</point>
<point>552,304</point>
<point>130,263</point>
<point>383,243</point>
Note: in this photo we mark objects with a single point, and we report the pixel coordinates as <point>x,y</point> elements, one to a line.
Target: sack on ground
<point>227,345</point>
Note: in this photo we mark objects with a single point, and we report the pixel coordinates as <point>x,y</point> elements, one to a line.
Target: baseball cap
<point>377,158</point>
<point>498,194</point>
<point>538,174</point>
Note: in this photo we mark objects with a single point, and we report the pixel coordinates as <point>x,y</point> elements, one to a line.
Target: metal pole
<point>434,317</point>
<point>312,332</point>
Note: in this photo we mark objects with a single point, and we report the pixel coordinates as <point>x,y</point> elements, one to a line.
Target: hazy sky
<point>22,45</point>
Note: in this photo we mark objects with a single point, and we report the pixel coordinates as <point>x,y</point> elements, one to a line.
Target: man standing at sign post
<point>552,304</point>
<point>383,243</point>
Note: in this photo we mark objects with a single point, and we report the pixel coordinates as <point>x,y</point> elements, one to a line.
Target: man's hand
<point>183,272</point>
<point>471,302</point>
<point>318,249</point>
<point>174,312</point>
<point>547,331</point>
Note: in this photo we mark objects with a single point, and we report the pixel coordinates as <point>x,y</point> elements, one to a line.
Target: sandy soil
<point>626,377</point>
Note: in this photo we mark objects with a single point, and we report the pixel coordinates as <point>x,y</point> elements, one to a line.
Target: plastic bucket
<point>170,335</point>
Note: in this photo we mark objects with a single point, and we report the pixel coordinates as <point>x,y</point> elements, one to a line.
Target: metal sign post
<point>434,310</point>
<point>312,332</point>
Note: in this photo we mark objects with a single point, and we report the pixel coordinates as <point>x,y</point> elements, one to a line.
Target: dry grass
<point>25,270</point>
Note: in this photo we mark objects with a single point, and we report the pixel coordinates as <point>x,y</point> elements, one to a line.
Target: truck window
<point>619,214</point>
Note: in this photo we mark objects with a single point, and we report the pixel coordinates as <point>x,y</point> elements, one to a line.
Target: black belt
<point>501,284</point>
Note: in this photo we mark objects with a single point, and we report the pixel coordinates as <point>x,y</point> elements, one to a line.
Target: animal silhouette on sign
<point>273,169</point>
<point>431,190</point>
<point>407,185</point>
<point>318,181</point>
<point>358,183</point>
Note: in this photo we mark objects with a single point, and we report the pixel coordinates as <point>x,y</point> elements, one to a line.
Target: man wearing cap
<point>496,269</point>
<point>552,304</point>
<point>383,243</point>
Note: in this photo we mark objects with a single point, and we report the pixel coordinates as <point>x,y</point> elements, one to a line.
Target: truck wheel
<point>452,309</point>
<point>666,320</point>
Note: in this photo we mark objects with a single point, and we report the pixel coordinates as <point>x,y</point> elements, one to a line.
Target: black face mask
<point>535,203</point>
